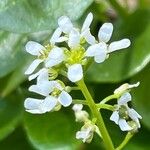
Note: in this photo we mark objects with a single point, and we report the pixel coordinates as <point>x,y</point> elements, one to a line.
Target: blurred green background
<point>24,20</point>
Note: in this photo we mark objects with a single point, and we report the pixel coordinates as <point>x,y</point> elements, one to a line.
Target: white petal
<point>75,72</point>
<point>33,76</point>
<point>33,66</point>
<point>77,107</point>
<point>34,48</point>
<point>49,103</point>
<point>56,35</point>
<point>87,22</point>
<point>43,89</point>
<point>55,57</point>
<point>65,99</point>
<point>84,135</point>
<point>124,99</point>
<point>134,85</point>
<point>32,103</point>
<point>65,24</point>
<point>96,49</point>
<point>119,45</point>
<point>43,76</point>
<point>133,114</point>
<point>124,125</point>
<point>88,36</point>
<point>105,32</point>
<point>74,38</point>
<point>115,117</point>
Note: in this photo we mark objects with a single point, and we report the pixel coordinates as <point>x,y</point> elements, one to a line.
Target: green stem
<point>78,101</point>
<point>100,123</point>
<point>125,141</point>
<point>114,96</point>
<point>105,106</point>
<point>121,11</point>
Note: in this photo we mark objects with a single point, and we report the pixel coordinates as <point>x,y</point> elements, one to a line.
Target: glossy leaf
<point>11,52</point>
<point>10,114</point>
<point>31,16</point>
<point>53,131</point>
<point>128,62</point>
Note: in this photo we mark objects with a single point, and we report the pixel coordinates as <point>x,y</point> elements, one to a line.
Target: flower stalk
<point>100,123</point>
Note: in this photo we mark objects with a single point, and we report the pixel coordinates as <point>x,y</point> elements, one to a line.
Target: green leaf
<point>141,95</point>
<point>51,131</point>
<point>24,16</point>
<point>11,52</point>
<point>126,63</point>
<point>16,141</point>
<point>10,114</point>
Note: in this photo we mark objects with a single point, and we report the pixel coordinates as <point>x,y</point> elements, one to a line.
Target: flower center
<point>76,55</point>
<point>123,113</point>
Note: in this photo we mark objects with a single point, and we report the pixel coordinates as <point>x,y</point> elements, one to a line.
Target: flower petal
<point>49,103</point>
<point>33,66</point>
<point>75,72</point>
<point>43,76</point>
<point>87,22</point>
<point>65,99</point>
<point>115,117</point>
<point>55,57</point>
<point>56,35</point>
<point>105,32</point>
<point>124,125</point>
<point>96,49</point>
<point>32,105</point>
<point>74,38</point>
<point>34,48</point>
<point>124,99</point>
<point>88,36</point>
<point>77,107</point>
<point>65,24</point>
<point>43,89</point>
<point>133,114</point>
<point>33,76</point>
<point>119,45</point>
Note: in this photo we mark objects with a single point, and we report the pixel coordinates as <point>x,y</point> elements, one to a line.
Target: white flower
<point>101,50</point>
<point>86,133</point>
<point>45,87</point>
<point>75,72</point>
<point>81,115</point>
<point>126,87</point>
<point>123,113</point>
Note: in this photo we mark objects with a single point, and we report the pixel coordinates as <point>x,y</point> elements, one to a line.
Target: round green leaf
<point>51,131</point>
<point>128,62</point>
<point>24,16</point>
<point>10,114</point>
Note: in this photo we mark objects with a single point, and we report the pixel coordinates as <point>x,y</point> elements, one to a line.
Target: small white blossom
<point>80,115</point>
<point>123,113</point>
<point>101,50</point>
<point>45,87</point>
<point>86,133</point>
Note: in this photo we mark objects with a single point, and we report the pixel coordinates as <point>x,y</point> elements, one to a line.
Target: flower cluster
<point>89,127</point>
<point>124,116</point>
<point>69,60</point>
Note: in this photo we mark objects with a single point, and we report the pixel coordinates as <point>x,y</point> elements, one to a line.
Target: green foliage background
<point>23,20</point>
